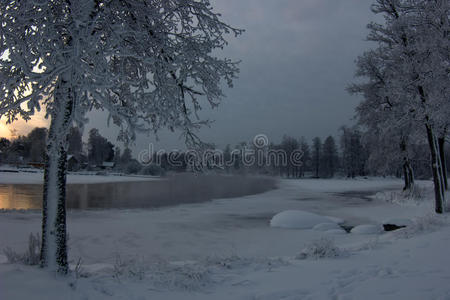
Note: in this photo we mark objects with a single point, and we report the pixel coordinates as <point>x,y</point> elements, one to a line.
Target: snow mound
<point>336,231</point>
<point>335,220</point>
<point>297,219</point>
<point>367,229</point>
<point>399,222</point>
<point>326,226</point>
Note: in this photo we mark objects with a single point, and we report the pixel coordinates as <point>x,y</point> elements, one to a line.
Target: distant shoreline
<point>23,177</point>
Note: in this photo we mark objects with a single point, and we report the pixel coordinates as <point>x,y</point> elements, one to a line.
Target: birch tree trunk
<point>408,173</point>
<point>54,238</point>
<point>437,170</point>
<point>441,142</point>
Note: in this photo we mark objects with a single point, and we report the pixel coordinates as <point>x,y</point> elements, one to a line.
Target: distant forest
<point>353,153</point>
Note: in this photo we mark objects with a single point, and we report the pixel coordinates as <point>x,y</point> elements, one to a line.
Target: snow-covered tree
<point>99,148</point>
<point>306,157</point>
<point>354,156</point>
<point>388,127</point>
<point>409,74</point>
<point>329,158</point>
<point>37,140</point>
<point>75,141</point>
<point>316,155</point>
<point>149,63</point>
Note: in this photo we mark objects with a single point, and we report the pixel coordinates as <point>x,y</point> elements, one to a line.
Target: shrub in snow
<point>133,167</point>
<point>297,219</point>
<point>184,277</point>
<point>153,170</point>
<point>415,196</point>
<point>237,262</point>
<point>423,224</point>
<point>367,229</point>
<point>164,275</point>
<point>321,248</point>
<point>132,268</point>
<point>30,257</point>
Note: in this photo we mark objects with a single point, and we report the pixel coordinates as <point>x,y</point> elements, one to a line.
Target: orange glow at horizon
<point>21,127</point>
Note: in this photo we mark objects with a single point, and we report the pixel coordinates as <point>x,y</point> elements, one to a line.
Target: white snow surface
<point>336,231</point>
<point>226,249</point>
<point>297,219</point>
<point>367,229</point>
<point>326,226</point>
<point>398,222</point>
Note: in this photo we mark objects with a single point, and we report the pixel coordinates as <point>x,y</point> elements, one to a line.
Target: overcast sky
<point>297,58</point>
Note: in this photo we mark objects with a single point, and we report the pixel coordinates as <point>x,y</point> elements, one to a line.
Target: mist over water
<point>173,190</point>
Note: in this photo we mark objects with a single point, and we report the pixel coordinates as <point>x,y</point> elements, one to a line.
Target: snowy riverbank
<point>37,177</point>
<point>226,249</point>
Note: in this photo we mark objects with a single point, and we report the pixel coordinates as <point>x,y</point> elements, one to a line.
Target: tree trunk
<point>436,169</point>
<point>406,177</point>
<point>441,142</point>
<point>54,246</point>
<point>407,169</point>
<point>410,174</point>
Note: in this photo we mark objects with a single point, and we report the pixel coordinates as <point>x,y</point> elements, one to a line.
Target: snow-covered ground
<point>226,249</point>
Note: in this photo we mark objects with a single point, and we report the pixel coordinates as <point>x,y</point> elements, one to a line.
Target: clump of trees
<point>147,63</point>
<point>24,149</point>
<point>30,150</point>
<point>406,85</point>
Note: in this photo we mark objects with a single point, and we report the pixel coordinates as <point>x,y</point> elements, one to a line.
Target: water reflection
<point>184,188</point>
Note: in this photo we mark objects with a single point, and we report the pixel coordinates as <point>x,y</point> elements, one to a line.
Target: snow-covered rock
<point>336,231</point>
<point>335,220</point>
<point>297,219</point>
<point>398,222</point>
<point>326,226</point>
<point>367,229</point>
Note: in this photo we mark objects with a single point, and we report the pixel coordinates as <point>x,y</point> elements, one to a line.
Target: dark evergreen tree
<point>75,146</point>
<point>316,156</point>
<point>329,161</point>
<point>306,157</point>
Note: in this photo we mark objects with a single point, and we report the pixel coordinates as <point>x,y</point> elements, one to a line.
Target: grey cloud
<point>297,58</point>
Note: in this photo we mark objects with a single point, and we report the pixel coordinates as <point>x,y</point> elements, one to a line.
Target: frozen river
<point>177,189</point>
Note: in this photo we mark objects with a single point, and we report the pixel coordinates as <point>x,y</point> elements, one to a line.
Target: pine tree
<point>329,160</point>
<point>316,155</point>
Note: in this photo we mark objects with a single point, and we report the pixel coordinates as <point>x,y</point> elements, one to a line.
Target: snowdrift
<point>297,219</point>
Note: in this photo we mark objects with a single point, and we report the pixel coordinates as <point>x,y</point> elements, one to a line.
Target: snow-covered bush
<point>131,268</point>
<point>133,167</point>
<point>181,277</point>
<point>164,275</point>
<point>153,170</point>
<point>321,248</point>
<point>427,223</point>
<point>416,196</point>
<point>234,261</point>
<point>30,257</point>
